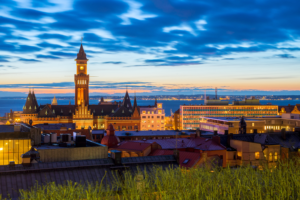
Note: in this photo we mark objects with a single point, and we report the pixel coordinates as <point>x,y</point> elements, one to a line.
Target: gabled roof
<point>63,110</point>
<point>122,112</point>
<point>81,54</point>
<point>46,111</point>
<point>161,152</point>
<point>133,146</point>
<point>188,159</point>
<point>200,143</point>
<point>103,110</point>
<point>288,108</point>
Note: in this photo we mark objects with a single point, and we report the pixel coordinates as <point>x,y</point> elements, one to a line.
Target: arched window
<point>270,157</point>
<point>30,107</point>
<point>275,156</point>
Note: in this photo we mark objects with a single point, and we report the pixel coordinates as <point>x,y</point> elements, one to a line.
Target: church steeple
<point>126,101</point>
<point>31,105</point>
<point>81,54</point>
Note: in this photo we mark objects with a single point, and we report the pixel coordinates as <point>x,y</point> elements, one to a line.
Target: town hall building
<point>121,114</point>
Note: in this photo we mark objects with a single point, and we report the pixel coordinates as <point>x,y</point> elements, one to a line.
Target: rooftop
<point>152,133</point>
<point>6,128</point>
<point>200,143</point>
<point>57,146</point>
<point>13,179</point>
<point>133,146</point>
<point>230,119</point>
<point>56,126</point>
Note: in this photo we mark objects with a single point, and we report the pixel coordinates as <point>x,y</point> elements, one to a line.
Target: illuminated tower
<point>81,79</point>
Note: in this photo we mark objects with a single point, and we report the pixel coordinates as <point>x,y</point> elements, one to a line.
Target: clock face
<point>81,67</point>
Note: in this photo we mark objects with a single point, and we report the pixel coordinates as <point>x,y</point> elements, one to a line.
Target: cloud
<point>267,78</point>
<point>113,62</point>
<point>285,56</point>
<point>47,57</point>
<point>28,60</point>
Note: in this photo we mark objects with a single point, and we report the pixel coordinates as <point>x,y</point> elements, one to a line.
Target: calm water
<point>17,104</point>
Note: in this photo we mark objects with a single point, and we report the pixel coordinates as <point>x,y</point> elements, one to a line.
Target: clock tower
<point>81,79</point>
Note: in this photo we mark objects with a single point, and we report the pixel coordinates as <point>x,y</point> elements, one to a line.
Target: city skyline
<point>150,47</point>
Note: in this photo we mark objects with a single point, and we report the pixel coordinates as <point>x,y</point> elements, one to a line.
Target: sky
<point>151,47</point>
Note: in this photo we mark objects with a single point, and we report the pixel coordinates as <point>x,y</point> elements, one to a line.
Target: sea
<point>168,105</point>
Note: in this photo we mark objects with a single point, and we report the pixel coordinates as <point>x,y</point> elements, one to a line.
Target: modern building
<point>190,115</point>
<point>230,125</point>
<point>122,115</point>
<point>152,117</point>
<point>286,121</point>
<point>16,140</point>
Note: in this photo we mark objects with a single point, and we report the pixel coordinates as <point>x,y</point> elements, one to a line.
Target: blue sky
<point>151,47</point>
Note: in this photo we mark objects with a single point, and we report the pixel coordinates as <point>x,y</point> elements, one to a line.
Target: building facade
<point>152,117</point>
<point>190,115</point>
<point>121,114</point>
<point>230,125</point>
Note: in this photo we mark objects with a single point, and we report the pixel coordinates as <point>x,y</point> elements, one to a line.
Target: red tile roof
<point>204,144</point>
<point>161,152</point>
<point>133,146</point>
<point>191,159</point>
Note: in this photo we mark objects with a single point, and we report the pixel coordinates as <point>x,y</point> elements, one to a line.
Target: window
<point>123,128</point>
<point>158,117</point>
<point>270,157</point>
<point>148,116</point>
<point>148,112</point>
<point>253,124</point>
<point>129,127</point>
<point>152,112</point>
<point>257,155</point>
<point>159,112</point>
<point>185,161</point>
<point>144,117</point>
<point>162,117</point>
<point>136,128</point>
<point>152,117</point>
<point>275,156</point>
<point>144,112</point>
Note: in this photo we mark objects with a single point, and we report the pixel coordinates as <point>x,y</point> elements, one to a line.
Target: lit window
<point>252,124</point>
<point>275,156</point>
<point>257,155</point>
<point>148,112</point>
<point>270,157</point>
<point>144,112</point>
<point>159,112</point>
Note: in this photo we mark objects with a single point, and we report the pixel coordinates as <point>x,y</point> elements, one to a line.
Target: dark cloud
<point>54,36</point>
<point>47,57</point>
<point>3,59</point>
<point>113,62</point>
<point>285,56</point>
<point>49,45</point>
<point>261,24</point>
<point>28,14</point>
<point>63,54</point>
<point>28,60</point>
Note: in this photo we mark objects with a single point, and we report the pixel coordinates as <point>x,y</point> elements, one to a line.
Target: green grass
<point>241,183</point>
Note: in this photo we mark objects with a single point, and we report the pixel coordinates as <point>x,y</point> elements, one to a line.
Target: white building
<point>152,117</point>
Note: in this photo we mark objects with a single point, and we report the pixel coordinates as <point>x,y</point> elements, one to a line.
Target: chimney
<point>283,134</point>
<point>176,155</point>
<point>198,132</point>
<point>116,156</point>
<point>229,137</point>
<point>215,132</point>
<point>216,139</point>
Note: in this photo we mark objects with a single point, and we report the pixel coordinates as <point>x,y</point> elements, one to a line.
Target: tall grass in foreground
<point>282,182</point>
